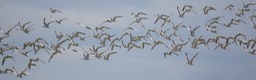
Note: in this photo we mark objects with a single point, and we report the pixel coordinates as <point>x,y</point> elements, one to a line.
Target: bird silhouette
<point>190,61</point>
<point>55,11</point>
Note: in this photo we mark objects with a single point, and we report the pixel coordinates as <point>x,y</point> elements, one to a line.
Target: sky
<point>231,64</point>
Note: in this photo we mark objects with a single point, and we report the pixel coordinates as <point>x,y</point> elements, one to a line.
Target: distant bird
<point>185,9</point>
<point>21,74</point>
<point>190,61</point>
<point>26,53</point>
<point>181,14</point>
<point>106,57</point>
<point>37,60</point>
<point>230,7</point>
<point>53,54</point>
<point>158,43</point>
<point>178,26</point>
<point>138,14</point>
<point>55,11</point>
<point>170,53</point>
<point>178,47</point>
<point>59,36</point>
<point>8,32</point>
<point>249,51</point>
<point>192,31</point>
<point>7,57</point>
<point>97,28</point>
<point>145,43</point>
<point>61,20</point>
<point>248,4</point>
<point>138,20</point>
<point>24,27</point>
<point>7,70</point>
<point>46,24</point>
<point>3,37</point>
<point>111,20</point>
<point>115,45</point>
<point>206,9</point>
<point>215,18</point>
<point>30,64</point>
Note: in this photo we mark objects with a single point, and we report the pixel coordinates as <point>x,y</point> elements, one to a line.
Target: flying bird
<point>7,57</point>
<point>111,20</point>
<point>190,61</point>
<point>55,11</point>
<point>59,21</point>
<point>206,9</point>
<point>106,57</point>
<point>46,24</point>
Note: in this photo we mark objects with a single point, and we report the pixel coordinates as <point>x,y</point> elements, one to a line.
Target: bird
<point>236,37</point>
<point>165,18</point>
<point>249,51</point>
<point>178,47</point>
<point>143,44</point>
<point>158,43</point>
<point>181,14</point>
<point>111,20</point>
<point>61,20</point>
<point>3,37</point>
<point>7,70</point>
<point>115,45</point>
<point>176,27</point>
<point>206,9</point>
<point>8,32</point>
<point>7,57</point>
<point>192,31</point>
<point>215,18</point>
<point>138,14</point>
<point>59,36</point>
<point>185,9</point>
<point>177,36</point>
<point>138,20</point>
<point>86,56</point>
<point>53,54</point>
<point>170,53</point>
<point>248,4</point>
<point>97,28</point>
<point>30,64</point>
<point>24,27</point>
<point>130,28</point>
<point>26,53</point>
<point>106,57</point>
<point>190,61</point>
<point>230,7</point>
<point>46,24</point>
<point>27,30</point>
<point>37,60</point>
<point>55,11</point>
<point>21,74</point>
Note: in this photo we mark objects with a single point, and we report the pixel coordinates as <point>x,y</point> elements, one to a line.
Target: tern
<point>111,20</point>
<point>8,32</point>
<point>192,31</point>
<point>7,57</point>
<point>207,9</point>
<point>46,24</point>
<point>190,61</point>
<point>61,20</point>
<point>55,11</point>
<point>106,57</point>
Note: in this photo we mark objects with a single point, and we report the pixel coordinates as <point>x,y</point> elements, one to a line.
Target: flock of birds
<point>166,36</point>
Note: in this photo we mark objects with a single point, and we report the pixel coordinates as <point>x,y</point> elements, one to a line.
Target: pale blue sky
<point>233,64</point>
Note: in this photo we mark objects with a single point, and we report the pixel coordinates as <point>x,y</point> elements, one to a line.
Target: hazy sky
<point>231,64</point>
